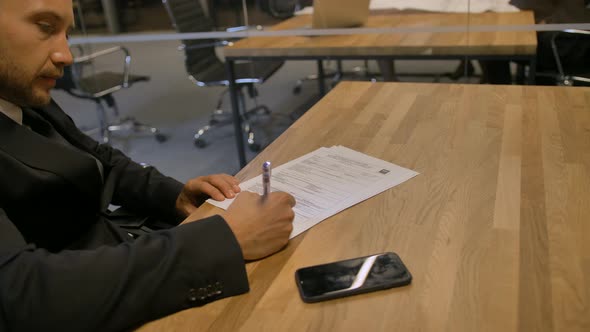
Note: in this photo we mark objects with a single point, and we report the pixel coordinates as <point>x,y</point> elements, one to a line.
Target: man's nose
<point>61,55</point>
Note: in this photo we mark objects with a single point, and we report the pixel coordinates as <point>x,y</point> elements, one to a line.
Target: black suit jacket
<point>65,266</point>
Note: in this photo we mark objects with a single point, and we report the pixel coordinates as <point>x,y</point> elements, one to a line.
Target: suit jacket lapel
<point>39,152</point>
<point>65,126</point>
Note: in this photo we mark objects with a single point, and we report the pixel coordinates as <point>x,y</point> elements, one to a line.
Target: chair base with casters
<point>222,118</point>
<point>205,69</point>
<point>126,124</point>
<point>99,87</point>
<point>247,74</point>
<point>337,75</point>
<point>362,72</point>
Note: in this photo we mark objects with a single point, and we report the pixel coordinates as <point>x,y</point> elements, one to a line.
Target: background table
<point>494,229</point>
<point>499,45</point>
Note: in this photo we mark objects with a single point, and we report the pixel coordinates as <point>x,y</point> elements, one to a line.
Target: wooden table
<point>495,229</point>
<point>427,44</point>
<point>500,45</point>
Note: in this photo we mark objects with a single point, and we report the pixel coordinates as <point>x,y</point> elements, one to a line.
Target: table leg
<point>532,70</point>
<point>321,83</point>
<point>233,94</point>
<point>111,15</point>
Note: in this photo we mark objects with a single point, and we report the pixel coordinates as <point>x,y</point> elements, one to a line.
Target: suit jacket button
<point>210,291</point>
<point>218,287</point>
<point>202,294</point>
<point>192,295</point>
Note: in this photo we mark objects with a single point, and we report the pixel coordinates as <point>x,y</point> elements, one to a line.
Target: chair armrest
<point>87,58</point>
<point>184,47</point>
<point>244,28</point>
<point>218,43</point>
<point>576,31</point>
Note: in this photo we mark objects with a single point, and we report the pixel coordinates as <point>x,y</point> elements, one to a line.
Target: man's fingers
<point>235,183</point>
<point>217,186</point>
<point>226,184</point>
<point>288,198</point>
<point>213,192</point>
<point>190,208</point>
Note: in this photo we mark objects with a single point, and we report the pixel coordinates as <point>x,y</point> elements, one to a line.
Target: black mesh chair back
<point>205,69</point>
<point>283,8</point>
<point>189,16</point>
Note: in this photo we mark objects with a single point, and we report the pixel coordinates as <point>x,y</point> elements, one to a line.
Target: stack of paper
<point>446,6</point>
<point>327,181</point>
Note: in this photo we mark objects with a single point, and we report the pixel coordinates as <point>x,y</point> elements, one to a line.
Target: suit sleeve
<point>114,288</point>
<point>143,190</point>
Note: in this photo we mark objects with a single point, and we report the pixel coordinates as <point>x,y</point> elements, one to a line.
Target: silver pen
<point>265,179</point>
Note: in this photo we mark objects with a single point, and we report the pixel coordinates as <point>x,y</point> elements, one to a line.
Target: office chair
<point>282,8</point>
<point>572,66</point>
<point>205,69</point>
<point>81,80</point>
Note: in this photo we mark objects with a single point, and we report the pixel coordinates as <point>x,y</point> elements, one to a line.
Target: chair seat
<point>106,80</point>
<point>245,72</point>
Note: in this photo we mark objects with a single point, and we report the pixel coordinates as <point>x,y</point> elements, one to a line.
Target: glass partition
<point>180,46</point>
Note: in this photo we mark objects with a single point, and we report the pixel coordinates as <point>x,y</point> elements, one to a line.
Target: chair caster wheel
<point>161,138</point>
<point>296,90</point>
<point>200,143</point>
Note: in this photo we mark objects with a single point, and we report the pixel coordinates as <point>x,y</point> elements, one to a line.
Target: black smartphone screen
<point>352,276</point>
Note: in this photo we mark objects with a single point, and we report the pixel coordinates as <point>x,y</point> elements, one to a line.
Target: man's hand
<point>197,190</point>
<point>261,227</point>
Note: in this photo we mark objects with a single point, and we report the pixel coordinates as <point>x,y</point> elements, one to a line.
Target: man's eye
<point>46,27</point>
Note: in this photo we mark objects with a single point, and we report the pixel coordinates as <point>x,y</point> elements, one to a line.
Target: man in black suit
<point>64,264</point>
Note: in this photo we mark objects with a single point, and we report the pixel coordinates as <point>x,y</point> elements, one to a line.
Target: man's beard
<point>17,89</point>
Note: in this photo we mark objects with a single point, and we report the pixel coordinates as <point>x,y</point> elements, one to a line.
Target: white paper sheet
<point>446,6</point>
<point>327,181</point>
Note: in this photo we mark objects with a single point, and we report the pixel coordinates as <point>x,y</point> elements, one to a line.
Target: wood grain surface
<point>494,229</point>
<point>412,43</point>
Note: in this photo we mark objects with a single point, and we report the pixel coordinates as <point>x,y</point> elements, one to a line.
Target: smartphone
<point>351,276</point>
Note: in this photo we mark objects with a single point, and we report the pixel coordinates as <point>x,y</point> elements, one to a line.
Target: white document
<point>447,6</point>
<point>327,181</point>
